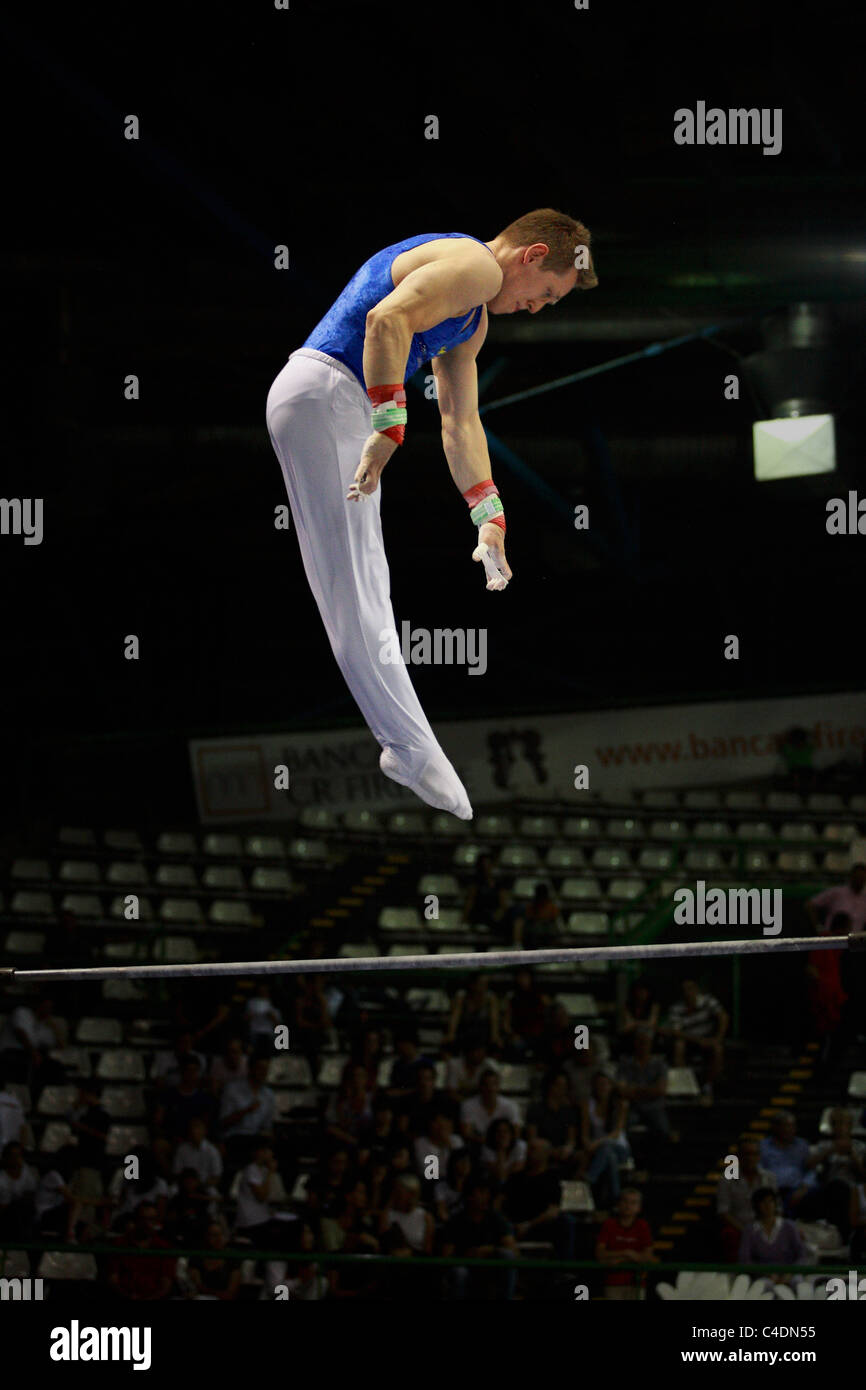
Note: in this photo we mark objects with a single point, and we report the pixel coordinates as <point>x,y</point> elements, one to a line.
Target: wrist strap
<point>485,504</point>
<point>389,414</point>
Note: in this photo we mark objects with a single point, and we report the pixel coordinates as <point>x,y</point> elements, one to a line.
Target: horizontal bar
<point>472,960</point>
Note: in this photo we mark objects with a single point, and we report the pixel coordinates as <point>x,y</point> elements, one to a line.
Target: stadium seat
<point>57,1100</point>
<point>123,1139</point>
<point>797,861</point>
<point>84,905</point>
<point>524,887</point>
<point>180,950</point>
<point>61,1264</point>
<point>428,1001</point>
<point>702,800</point>
<point>445,827</point>
<point>587,924</point>
<point>308,851</point>
<point>31,870</point>
<point>579,1005</point>
<point>217,846</point>
<point>317,818</point>
<point>265,847</point>
<point>287,1070</point>
<point>364,822</point>
<point>73,837</point>
<point>625,889</point>
<point>798,830</point>
<point>56,1135</point>
<point>131,872</point>
<point>176,876</point>
<point>560,858</point>
<point>841,832</point>
<point>606,858</point>
<point>712,830</point>
<point>407,948</point>
<point>117,952</point>
<point>466,856</point>
<point>74,1060</point>
<point>181,911</point>
<point>264,880</point>
<point>757,861</point>
<point>855,1111</point>
<point>516,857</point>
<point>576,1196</point>
<point>836,863</point>
<point>400,919</point>
<point>25,943</point>
<point>450,919</point>
<point>857,1085</point>
<point>754,830</point>
<point>441,885</point>
<point>857,803</point>
<point>514,1079</point>
<point>657,860</point>
<point>123,1102</point>
<point>407,823</point>
<point>493,827</point>
<point>824,801</point>
<point>682,1083</point>
<point>539,827</point>
<point>123,841</point>
<point>120,1064</point>
<point>98,1031</point>
<point>624,829</point>
<point>784,801</point>
<point>79,871</point>
<point>28,902</point>
<point>118,909</point>
<point>223,878</point>
<point>577,890</point>
<point>668,830</point>
<point>178,842</point>
<point>742,801</point>
<point>661,801</point>
<point>353,951</point>
<point>581,828</point>
<point>224,913</point>
<point>703,860</point>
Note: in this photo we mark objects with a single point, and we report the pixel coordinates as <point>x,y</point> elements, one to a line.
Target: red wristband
<point>477,493</point>
<point>396,393</point>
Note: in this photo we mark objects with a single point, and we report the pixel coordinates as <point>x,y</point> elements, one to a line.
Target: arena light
<point>793,446</point>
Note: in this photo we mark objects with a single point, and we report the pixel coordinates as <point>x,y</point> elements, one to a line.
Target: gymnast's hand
<point>375,454</point>
<point>491,551</point>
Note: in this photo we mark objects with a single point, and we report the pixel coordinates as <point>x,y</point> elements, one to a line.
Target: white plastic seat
<point>32,870</point>
<point>357,951</point>
<point>515,857</point>
<point>120,1064</point>
<point>857,803</point>
<point>55,1136</point>
<point>579,1005</point>
<point>668,830</point>
<point>578,890</point>
<point>682,1083</point>
<point>263,880</point>
<point>399,919</point>
<point>784,801</point>
<point>857,1085</point>
<point>742,801</point>
<point>286,1070</point>
<point>712,830</point>
<point>407,823</point>
<point>606,858</point>
<point>180,950</point>
<point>492,827</point>
<point>362,822</point>
<point>179,842</point>
<point>840,832</point>
<point>317,818</point>
<point>217,846</point>
<point>466,856</point>
<point>563,859</point>
<point>624,828</point>
<point>123,841</point>
<point>514,1079</point>
<point>61,1264</point>
<point>98,1031</point>
<point>25,943</point>
<point>74,1060</point>
<point>538,827</point>
<point>836,862</point>
<point>74,837</point>
<point>118,908</point>
<point>123,1102</point>
<point>581,828</point>
<point>798,861</point>
<point>407,948</point>
<point>308,851</point>
<point>57,1100</point>
<point>224,913</point>
<point>28,902</point>
<point>798,830</point>
<point>702,800</point>
<point>185,911</point>
<point>450,919</point>
<point>132,872</point>
<point>754,830</point>
<point>84,905</point>
<point>79,871</point>
<point>703,860</point>
<point>445,827</point>
<point>442,885</point>
<point>757,861</point>
<point>123,1139</point>
<point>223,878</point>
<point>265,847</point>
<point>428,1001</point>
<point>625,889</point>
<point>575,1196</point>
<point>656,860</point>
<point>524,887</point>
<point>824,801</point>
<point>331,1069</point>
<point>176,876</point>
<point>588,924</point>
<point>660,801</point>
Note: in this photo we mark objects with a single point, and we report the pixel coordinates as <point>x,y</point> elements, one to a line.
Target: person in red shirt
<point>143,1278</point>
<point>625,1240</point>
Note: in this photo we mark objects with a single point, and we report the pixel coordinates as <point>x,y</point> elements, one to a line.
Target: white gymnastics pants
<point>318,417</point>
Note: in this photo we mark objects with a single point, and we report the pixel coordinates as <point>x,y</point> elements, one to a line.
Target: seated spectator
<point>449,1192</point>
<point>463,1073</point>
<point>142,1278</point>
<point>28,1037</point>
<point>350,1229</point>
<point>641,1009</point>
<point>303,1278</point>
<point>187,1214</point>
<point>149,1186</point>
<point>524,1017</point>
<point>167,1066</point>
<point>197,1152</point>
<point>642,1080</point>
<point>474,1014</point>
<point>56,1209</point>
<point>504,1154</point>
<point>186,1101</point>
<point>405,1065</point>
<point>486,902</point>
<point>581,1063</point>
<point>734,1196</point>
<point>477,1113</point>
<point>697,1025</point>
<point>603,1118</point>
<point>231,1065</point>
<point>350,1109</point>
<point>18,1183</point>
<point>12,1119</point>
<point>368,1053</point>
<point>328,1183</point>
<point>257,1218</point>
<point>555,1119</point>
<point>247,1110</point>
<point>417,1111</point>
<point>90,1124</point>
<point>437,1145</point>
<point>771,1239</point>
<point>211,1276</point>
<point>787,1157</point>
<point>839,1164</point>
<point>262,1018</point>
<point>405,1212</point>
<point>625,1239</point>
<point>541,923</point>
<point>532,1202</point>
<point>206,1014</point>
<point>478,1232</point>
<point>382,1127</point>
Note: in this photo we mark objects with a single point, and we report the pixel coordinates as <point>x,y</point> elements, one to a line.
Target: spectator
<point>167,1066</point>
<point>698,1025</point>
<point>477,1232</point>
<point>56,1208</point>
<point>350,1111</point>
<point>555,1119</point>
<point>142,1278</point>
<point>262,1018</point>
<point>524,1017</point>
<point>541,923</point>
<point>26,1041</point>
<point>187,1214</point>
<point>625,1239</point>
<point>437,1145</point>
<point>350,1229</point>
<point>532,1200</point>
<point>642,1080</point>
<point>149,1186</point>
<point>12,1121</point>
<point>18,1183</point>
<point>197,1152</point>
<point>405,1065</point>
<point>827,998</point>
<point>486,902</point>
<point>849,898</point>
<point>231,1065</point>
<point>787,1157</point>
<point>330,1181</point>
<point>405,1212</point>
<point>449,1192</point>
<point>603,1118</point>
<point>734,1196</point>
<point>474,1014</point>
<point>839,1164</point>
<point>477,1114</point>
<point>641,1009</point>
<point>186,1101</point>
<point>463,1073</point>
<point>770,1239</point>
<point>504,1154</point>
<point>416,1112</point>
<point>247,1109</point>
<point>259,1189</point>
<point>90,1124</point>
<point>382,1127</point>
<point>368,1053</point>
<point>211,1276</point>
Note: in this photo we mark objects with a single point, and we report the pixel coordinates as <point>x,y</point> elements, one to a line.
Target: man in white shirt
<point>438,1144</point>
<point>197,1151</point>
<point>478,1114</point>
